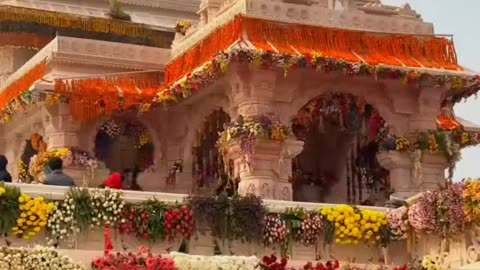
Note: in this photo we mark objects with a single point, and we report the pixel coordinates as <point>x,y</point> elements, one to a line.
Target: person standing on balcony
<point>56,177</point>
<point>4,174</point>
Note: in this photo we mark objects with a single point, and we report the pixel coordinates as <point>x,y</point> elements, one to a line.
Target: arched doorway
<point>338,163</point>
<point>124,144</point>
<point>208,167</point>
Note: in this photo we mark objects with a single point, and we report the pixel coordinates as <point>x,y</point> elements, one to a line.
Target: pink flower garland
<point>422,215</point>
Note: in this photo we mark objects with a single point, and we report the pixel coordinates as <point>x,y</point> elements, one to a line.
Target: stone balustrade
<point>454,252</point>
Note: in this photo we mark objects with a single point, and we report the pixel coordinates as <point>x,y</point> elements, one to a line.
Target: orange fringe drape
<point>91,98</point>
<point>22,85</point>
<point>204,51</point>
<point>395,50</point>
<point>24,40</point>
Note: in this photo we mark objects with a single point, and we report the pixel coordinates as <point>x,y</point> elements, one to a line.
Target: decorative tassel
<point>108,246</point>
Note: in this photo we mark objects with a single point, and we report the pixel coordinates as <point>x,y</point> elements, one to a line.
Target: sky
<point>457,17</point>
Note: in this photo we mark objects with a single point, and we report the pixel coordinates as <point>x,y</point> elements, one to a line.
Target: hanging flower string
<point>211,71</point>
<point>446,143</point>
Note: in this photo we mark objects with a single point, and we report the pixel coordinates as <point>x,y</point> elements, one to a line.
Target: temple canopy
<point>343,45</point>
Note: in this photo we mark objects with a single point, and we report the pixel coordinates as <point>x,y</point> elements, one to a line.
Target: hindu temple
<point>318,105</point>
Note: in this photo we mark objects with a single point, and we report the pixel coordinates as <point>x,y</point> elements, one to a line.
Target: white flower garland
<point>61,223</point>
<point>196,262</point>
<point>38,258</point>
<point>107,206</point>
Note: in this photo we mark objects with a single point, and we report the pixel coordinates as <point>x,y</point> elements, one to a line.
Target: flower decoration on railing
<point>9,208</point>
<point>142,259</point>
<point>182,26</point>
<point>422,215</point>
<point>353,225</point>
<point>33,216</point>
<point>275,230</point>
<point>441,212</point>
<point>187,262</point>
<point>179,224</point>
<point>38,258</point>
<point>84,209</point>
<point>445,212</point>
<point>145,221</point>
<point>430,263</point>
<point>398,223</point>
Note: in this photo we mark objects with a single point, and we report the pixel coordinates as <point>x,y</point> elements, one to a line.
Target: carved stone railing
<point>277,206</point>
<point>368,18</point>
<point>92,243</point>
<point>110,53</point>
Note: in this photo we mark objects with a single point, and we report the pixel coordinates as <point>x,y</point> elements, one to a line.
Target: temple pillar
<point>267,171</point>
<point>433,171</point>
<point>61,130</point>
<point>400,167</point>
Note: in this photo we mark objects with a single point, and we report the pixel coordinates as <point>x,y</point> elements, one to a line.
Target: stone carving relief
<point>251,189</point>
<point>265,191</point>
<point>286,194</point>
<point>473,251</point>
<point>351,14</point>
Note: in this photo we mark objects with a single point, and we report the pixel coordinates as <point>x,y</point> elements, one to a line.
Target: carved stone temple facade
<point>252,84</point>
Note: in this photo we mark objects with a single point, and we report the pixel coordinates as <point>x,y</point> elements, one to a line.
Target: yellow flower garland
<point>33,216</point>
<point>353,226</point>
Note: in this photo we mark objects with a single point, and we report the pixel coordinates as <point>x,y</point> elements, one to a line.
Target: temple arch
<point>372,92</point>
<point>341,134</point>
<point>207,165</point>
<point>124,143</point>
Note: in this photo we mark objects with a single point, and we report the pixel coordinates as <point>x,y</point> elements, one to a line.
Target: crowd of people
<point>56,177</point>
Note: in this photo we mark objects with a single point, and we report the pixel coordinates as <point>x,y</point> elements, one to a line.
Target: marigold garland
<point>19,19</point>
<point>16,89</point>
<point>395,50</point>
<point>91,98</point>
<point>23,40</point>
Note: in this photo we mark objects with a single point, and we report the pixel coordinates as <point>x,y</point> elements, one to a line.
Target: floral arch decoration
<point>208,166</point>
<point>111,130</point>
<point>351,116</point>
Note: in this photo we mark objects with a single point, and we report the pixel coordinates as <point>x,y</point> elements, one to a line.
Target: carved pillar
<point>61,130</point>
<point>266,172</point>
<point>400,167</point>
<point>208,10</point>
<point>433,171</point>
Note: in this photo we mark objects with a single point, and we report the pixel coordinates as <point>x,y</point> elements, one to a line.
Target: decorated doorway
<point>338,163</point>
<point>208,167</point>
<point>124,144</point>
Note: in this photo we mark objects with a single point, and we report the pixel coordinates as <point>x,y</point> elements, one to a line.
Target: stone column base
<point>400,167</point>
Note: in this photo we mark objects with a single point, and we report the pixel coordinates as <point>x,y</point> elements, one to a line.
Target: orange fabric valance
<point>348,45</point>
<point>23,40</point>
<point>91,98</point>
<point>16,89</point>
